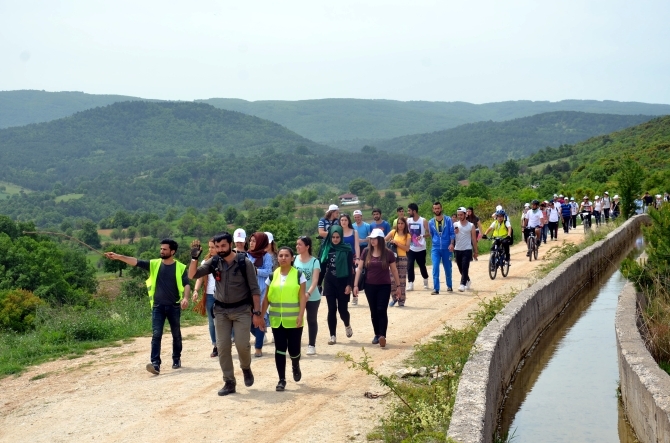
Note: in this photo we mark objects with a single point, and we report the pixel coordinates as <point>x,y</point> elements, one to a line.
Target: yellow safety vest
<point>284,300</point>
<point>154,265</point>
<point>500,230</point>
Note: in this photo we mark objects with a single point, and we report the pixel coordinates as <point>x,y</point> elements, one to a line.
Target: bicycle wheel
<point>493,269</point>
<point>504,265</point>
<point>535,251</point>
<point>530,243</point>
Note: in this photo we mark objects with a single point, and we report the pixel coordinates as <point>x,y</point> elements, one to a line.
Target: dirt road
<point>108,396</point>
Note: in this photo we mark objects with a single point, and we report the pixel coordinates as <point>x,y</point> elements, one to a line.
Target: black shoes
<point>154,369</point>
<point>248,377</point>
<point>450,289</point>
<point>281,386</point>
<point>228,388</point>
<point>215,352</point>
<point>176,364</point>
<point>297,375</point>
<point>375,341</point>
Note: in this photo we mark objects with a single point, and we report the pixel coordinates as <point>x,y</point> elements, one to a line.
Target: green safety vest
<point>284,300</point>
<point>154,265</point>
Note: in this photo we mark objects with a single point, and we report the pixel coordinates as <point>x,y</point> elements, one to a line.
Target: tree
<point>509,169</point>
<point>122,219</point>
<point>132,233</point>
<point>287,206</point>
<point>629,177</point>
<point>249,204</point>
<point>230,214</point>
<point>357,185</point>
<point>117,265</point>
<point>307,196</point>
<point>372,199</point>
<point>89,234</point>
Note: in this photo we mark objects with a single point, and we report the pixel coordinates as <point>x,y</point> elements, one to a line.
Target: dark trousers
<point>574,221</point>
<point>312,309</point>
<point>597,217</point>
<point>286,340</point>
<point>463,259</point>
<point>567,219</point>
<point>553,230</point>
<point>606,211</point>
<point>337,300</point>
<point>420,258</point>
<point>158,316</point>
<point>378,299</point>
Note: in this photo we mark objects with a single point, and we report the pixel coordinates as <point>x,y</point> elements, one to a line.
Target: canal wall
<point>645,388</point>
<point>503,343</point>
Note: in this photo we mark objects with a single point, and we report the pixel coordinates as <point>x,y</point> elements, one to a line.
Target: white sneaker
<point>410,286</point>
<point>354,301</point>
<point>349,331</point>
<point>311,350</point>
<point>332,340</point>
<point>461,288</point>
<point>425,283</point>
<point>467,285</point>
<point>265,339</point>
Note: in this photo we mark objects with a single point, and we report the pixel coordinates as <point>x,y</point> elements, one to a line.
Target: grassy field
<point>7,189</point>
<point>68,197</point>
<point>538,168</point>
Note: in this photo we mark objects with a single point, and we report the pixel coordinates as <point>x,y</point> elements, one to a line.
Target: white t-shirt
<point>463,235</point>
<point>553,215</point>
<point>211,282</point>
<point>282,279</point>
<point>598,206</point>
<point>417,232</point>
<point>534,218</point>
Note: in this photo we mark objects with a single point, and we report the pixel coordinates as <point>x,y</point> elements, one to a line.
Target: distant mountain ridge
<point>339,122</point>
<point>491,142</point>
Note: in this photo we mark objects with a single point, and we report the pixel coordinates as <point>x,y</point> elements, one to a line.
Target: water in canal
<point>566,390</point>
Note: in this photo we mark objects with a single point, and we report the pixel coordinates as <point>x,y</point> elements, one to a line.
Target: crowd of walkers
<point>249,285</point>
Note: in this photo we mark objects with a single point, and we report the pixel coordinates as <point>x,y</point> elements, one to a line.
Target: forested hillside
<point>132,138</point>
<point>18,108</point>
<point>491,142</point>
<point>338,122</point>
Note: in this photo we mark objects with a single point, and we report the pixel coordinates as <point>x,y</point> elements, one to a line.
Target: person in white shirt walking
<point>466,236</point>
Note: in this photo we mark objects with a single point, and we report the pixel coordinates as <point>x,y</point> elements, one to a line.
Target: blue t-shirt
<point>308,271</point>
<point>363,232</point>
<point>384,226</point>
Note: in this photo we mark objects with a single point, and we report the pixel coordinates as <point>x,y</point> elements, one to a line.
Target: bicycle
<point>497,259</point>
<point>586,221</point>
<point>532,244</point>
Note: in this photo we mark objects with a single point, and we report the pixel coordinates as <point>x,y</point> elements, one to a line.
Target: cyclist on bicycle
<point>533,221</point>
<point>585,210</point>
<point>502,230</point>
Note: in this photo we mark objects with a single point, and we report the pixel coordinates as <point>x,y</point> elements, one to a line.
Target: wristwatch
<point>256,313</point>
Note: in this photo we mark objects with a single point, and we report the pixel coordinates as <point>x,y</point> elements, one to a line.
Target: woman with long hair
<point>472,218</point>
<point>311,268</point>
<point>272,250</point>
<point>208,300</point>
<point>350,237</point>
<point>379,264</point>
<point>401,239</point>
<point>262,260</point>
<point>337,278</point>
<point>286,300</point>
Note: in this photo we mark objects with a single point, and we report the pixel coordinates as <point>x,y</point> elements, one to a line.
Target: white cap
<point>616,196</point>
<point>527,205</point>
<point>607,193</point>
<point>462,209</point>
<point>658,195</point>
<point>271,237</point>
<point>555,195</point>
<point>560,196</point>
<point>358,212</point>
<point>333,208</point>
<point>376,233</point>
<point>597,197</point>
<point>239,235</point>
<point>572,199</point>
<point>499,208</point>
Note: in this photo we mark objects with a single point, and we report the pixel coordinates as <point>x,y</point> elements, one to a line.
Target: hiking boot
<point>382,341</point>
<point>228,388</point>
<point>435,292</point>
<point>354,301</point>
<point>154,369</point>
<point>215,352</point>
<point>297,375</point>
<point>375,341</point>
<point>332,340</point>
<point>349,331</point>
<point>311,350</point>
<point>248,377</point>
<point>410,286</point>
<point>176,364</point>
<point>281,386</point>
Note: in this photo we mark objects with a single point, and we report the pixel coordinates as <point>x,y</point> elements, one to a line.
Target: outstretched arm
<point>132,261</point>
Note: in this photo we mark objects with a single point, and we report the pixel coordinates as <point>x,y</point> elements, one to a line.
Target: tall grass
<point>71,331</point>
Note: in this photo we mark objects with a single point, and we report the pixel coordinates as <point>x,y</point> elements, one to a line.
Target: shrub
<point>17,310</point>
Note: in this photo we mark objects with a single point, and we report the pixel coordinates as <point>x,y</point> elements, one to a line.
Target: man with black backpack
<point>236,305</point>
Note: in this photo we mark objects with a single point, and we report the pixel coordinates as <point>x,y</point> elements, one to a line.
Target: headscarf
<point>259,250</point>
<point>341,250</point>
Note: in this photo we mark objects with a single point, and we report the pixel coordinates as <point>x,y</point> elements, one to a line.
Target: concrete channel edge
<point>502,345</point>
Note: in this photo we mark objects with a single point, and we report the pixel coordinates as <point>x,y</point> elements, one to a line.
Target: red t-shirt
<point>376,275</point>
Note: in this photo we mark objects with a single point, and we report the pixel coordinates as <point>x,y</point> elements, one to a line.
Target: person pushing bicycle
<point>534,220</point>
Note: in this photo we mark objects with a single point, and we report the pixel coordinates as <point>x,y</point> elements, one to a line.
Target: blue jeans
<point>543,233</point>
<point>212,330</point>
<point>158,316</point>
<point>436,255</point>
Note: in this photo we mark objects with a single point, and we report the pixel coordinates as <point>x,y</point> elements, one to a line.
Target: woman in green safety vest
<point>285,296</point>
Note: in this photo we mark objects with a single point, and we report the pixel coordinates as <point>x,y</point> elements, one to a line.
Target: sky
<point>474,51</point>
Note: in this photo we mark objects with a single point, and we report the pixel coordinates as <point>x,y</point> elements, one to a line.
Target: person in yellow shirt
<point>400,238</point>
<point>502,229</point>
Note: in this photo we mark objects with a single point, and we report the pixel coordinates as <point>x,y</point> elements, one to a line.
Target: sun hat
<point>607,193</point>
<point>572,199</point>
<point>358,212</point>
<point>597,197</point>
<point>239,235</point>
<point>586,197</point>
<point>560,196</point>
<point>462,209</point>
<point>271,237</point>
<point>333,208</point>
<point>527,205</point>
<point>376,233</point>
<point>616,196</point>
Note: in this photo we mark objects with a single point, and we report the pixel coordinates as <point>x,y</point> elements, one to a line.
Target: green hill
<point>18,108</point>
<point>491,142</point>
<point>353,123</point>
